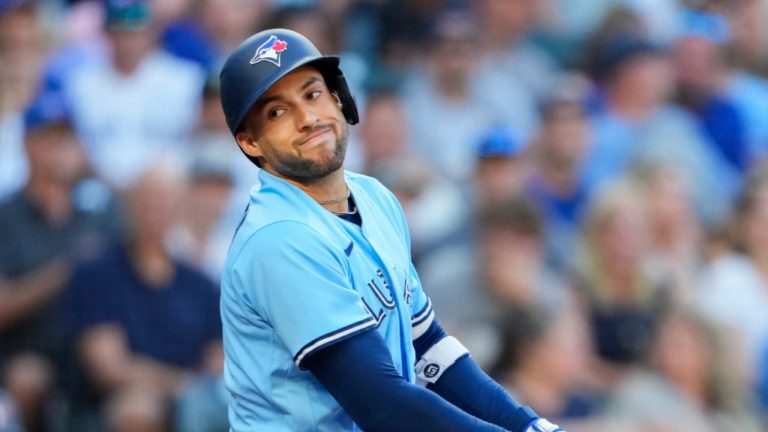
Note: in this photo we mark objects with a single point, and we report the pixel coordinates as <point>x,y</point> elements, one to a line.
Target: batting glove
<point>542,425</point>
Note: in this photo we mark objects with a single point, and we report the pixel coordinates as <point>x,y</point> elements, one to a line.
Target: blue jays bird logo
<point>270,51</point>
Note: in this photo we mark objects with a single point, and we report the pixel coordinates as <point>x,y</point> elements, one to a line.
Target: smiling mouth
<point>315,135</point>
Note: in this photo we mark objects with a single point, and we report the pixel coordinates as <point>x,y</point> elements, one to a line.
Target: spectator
<point>689,382</point>
<point>213,29</point>
<point>384,135</point>
<point>511,265</point>
<point>701,70</point>
<point>557,385</point>
<point>30,381</point>
<point>498,267</point>
<point>733,287</point>
<point>422,194</point>
<point>557,152</point>
<point>56,219</point>
<point>212,140</point>
<point>676,250</point>
<point>403,23</point>
<point>220,177</point>
<point>747,47</point>
<point>202,235</point>
<point>623,303</point>
<point>502,168</point>
<point>635,122</point>
<point>153,98</point>
<point>21,58</point>
<point>514,60</point>
<point>745,84</point>
<point>445,113</point>
<point>141,316</point>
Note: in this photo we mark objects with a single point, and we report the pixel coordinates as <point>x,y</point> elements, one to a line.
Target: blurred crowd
<point>585,181</point>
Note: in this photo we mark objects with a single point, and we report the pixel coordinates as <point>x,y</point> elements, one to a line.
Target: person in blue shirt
<point>326,327</point>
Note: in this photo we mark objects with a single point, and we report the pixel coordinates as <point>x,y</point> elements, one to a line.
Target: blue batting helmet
<point>262,59</point>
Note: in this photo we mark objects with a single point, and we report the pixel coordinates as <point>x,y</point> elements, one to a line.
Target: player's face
<point>296,128</point>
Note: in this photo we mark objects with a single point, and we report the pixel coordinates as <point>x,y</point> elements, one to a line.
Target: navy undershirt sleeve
<point>360,375</point>
<point>466,386</point>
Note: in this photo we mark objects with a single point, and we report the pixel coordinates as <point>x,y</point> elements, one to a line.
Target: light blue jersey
<point>298,279</point>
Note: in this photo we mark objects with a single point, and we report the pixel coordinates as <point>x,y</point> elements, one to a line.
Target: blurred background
<point>585,181</point>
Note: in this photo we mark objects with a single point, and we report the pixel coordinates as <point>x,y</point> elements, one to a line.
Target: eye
<point>274,113</point>
<point>314,94</point>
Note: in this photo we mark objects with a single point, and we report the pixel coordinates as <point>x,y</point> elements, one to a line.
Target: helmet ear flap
<point>338,84</point>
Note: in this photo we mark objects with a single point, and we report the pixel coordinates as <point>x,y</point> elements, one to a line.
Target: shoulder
<point>112,261</point>
<point>672,114</point>
<point>258,243</point>
<point>371,187</point>
<point>725,273</point>
<point>12,208</point>
<point>100,277</point>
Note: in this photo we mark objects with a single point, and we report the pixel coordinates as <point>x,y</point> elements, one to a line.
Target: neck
<point>560,176</point>
<point>151,261</point>
<point>331,188</point>
<point>620,277</point>
<point>694,388</point>
<point>453,88</point>
<point>52,198</point>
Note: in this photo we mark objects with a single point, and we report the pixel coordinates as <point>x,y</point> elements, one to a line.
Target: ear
<point>248,144</point>
<point>336,97</point>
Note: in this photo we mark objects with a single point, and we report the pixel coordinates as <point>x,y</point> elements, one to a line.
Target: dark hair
<point>520,328</point>
<point>516,214</point>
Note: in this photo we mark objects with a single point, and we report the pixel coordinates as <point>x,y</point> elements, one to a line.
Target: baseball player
<point>326,326</point>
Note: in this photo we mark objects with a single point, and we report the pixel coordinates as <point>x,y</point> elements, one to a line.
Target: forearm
<point>169,378</point>
<point>351,369</point>
<point>23,296</point>
<point>448,370</point>
<point>111,365</point>
<point>419,409</point>
<point>465,385</point>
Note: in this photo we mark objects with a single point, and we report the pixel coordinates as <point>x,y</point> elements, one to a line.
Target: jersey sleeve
<point>422,314</point>
<point>301,286</point>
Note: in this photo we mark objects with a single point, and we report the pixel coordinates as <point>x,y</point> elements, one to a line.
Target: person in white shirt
<point>139,102</point>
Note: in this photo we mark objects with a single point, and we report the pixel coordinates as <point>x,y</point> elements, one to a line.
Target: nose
<point>306,117</point>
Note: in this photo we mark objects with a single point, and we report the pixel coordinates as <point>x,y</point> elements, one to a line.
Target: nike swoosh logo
<point>348,249</point>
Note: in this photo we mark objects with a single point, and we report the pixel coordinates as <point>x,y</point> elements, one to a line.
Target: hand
<point>543,425</point>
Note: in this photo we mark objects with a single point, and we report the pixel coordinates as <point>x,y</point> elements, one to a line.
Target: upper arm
<point>421,307</point>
